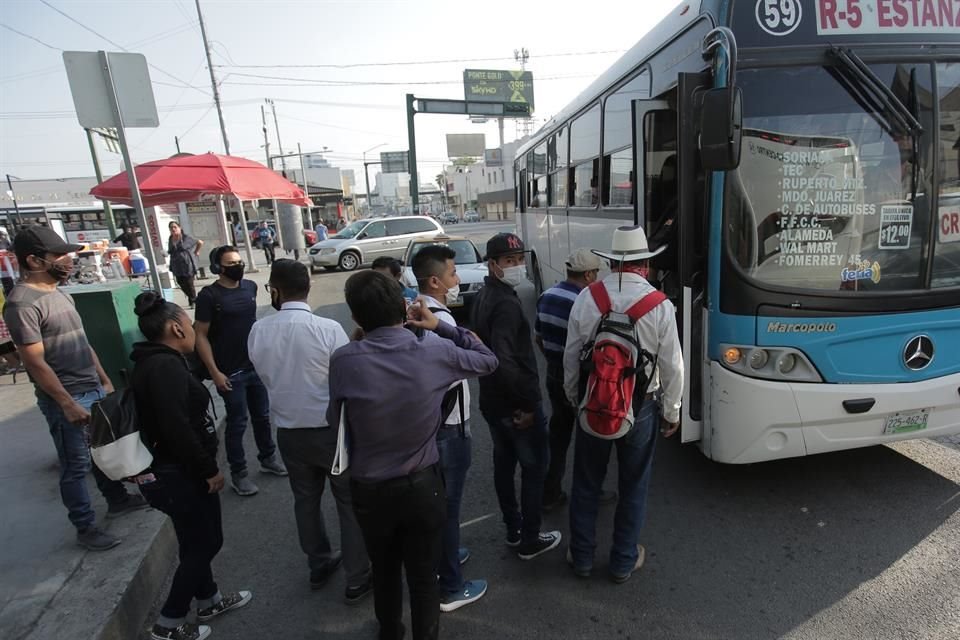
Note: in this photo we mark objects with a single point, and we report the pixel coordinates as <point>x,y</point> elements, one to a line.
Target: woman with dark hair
<point>183,480</point>
<point>183,251</point>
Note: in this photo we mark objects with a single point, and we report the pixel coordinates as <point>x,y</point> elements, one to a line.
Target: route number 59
<point>778,17</point>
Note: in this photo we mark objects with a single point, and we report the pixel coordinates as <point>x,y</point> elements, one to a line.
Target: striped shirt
<point>553,313</point>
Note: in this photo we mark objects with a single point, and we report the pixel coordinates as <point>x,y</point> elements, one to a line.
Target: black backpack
<point>113,419</point>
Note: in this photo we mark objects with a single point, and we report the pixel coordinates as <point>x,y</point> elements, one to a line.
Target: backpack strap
<point>644,305</point>
<point>600,296</point>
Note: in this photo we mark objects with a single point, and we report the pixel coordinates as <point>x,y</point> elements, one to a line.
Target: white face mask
<point>451,296</point>
<point>513,276</point>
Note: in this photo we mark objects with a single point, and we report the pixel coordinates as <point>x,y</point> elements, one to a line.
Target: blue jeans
<point>634,459</point>
<point>74,454</point>
<point>248,393</point>
<point>530,448</point>
<point>453,444</point>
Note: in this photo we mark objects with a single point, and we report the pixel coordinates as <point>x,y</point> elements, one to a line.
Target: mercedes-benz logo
<point>918,353</point>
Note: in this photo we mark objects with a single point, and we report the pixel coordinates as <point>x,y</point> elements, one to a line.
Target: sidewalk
<point>49,586</point>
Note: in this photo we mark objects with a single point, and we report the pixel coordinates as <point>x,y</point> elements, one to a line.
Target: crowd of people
<point>395,449</point>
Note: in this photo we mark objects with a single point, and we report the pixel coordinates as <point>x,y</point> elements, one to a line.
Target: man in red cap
<point>510,398</point>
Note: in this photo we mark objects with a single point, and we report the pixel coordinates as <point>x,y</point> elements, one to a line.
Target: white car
<point>363,241</point>
<point>470,267</point>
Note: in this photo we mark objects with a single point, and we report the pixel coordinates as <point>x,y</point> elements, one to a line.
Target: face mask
<point>58,271</point>
<point>451,296</point>
<point>234,272</point>
<point>513,276</point>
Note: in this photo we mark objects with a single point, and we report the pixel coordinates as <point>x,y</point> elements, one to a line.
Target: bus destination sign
<point>851,17</point>
<point>492,85</point>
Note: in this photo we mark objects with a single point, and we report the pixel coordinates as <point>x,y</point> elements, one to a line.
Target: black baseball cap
<point>39,240</point>
<point>504,244</point>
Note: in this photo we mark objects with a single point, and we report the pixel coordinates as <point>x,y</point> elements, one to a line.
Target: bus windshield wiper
<point>899,114</point>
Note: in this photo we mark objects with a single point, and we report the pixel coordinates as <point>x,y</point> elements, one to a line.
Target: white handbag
<point>124,457</point>
<point>341,458</point>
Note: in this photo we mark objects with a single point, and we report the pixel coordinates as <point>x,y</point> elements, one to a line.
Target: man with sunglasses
<point>49,336</point>
<point>226,311</point>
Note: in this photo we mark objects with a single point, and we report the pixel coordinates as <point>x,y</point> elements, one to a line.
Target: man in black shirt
<point>510,398</point>
<point>128,238</point>
<point>226,311</point>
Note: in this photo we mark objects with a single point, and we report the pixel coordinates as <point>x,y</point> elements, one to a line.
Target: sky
<point>297,54</point>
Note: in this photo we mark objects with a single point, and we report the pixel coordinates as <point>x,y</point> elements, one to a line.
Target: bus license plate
<point>906,421</point>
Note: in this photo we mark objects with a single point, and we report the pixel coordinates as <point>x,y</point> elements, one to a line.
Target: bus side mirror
<point>721,127</point>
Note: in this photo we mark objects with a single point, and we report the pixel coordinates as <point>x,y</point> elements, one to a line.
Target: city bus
<point>801,158</point>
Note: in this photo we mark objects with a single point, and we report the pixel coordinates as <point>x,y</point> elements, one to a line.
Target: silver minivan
<point>363,241</point>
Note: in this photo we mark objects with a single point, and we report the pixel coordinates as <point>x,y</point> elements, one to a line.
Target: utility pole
<point>213,81</point>
<point>524,125</point>
<point>412,157</point>
<point>266,138</point>
<point>107,209</point>
<point>16,207</point>
<point>276,126</point>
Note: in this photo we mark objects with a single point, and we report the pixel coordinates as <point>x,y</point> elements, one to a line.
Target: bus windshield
<point>830,195</point>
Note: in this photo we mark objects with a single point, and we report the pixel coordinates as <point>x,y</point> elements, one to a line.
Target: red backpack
<point>613,367</point>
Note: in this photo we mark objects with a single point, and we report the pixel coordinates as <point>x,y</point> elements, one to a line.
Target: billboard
<point>493,157</point>
<point>395,162</point>
<point>466,145</point>
<point>491,85</point>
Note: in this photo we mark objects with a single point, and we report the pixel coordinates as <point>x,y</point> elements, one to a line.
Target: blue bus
<point>802,160</point>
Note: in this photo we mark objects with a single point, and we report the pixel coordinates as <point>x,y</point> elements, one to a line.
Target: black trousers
<point>268,251</point>
<point>189,289</point>
<point>402,522</point>
<point>563,415</point>
<point>198,525</point>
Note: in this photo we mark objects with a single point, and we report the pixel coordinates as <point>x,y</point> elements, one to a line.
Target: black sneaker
<point>353,595</point>
<point>230,601</point>
<point>133,502</point>
<point>513,538</point>
<point>319,577</point>
<point>95,539</point>
<point>185,631</point>
<point>544,542</point>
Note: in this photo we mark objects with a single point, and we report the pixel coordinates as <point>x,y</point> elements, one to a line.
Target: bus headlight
<point>769,363</point>
<point>759,358</point>
<point>732,355</point>
<point>786,363</point>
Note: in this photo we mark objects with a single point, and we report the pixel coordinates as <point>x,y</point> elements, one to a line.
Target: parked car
<point>363,241</point>
<point>449,217</point>
<point>471,216</point>
<point>470,267</point>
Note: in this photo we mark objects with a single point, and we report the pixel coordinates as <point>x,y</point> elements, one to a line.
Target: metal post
<point>500,125</point>
<point>303,170</point>
<point>412,141</point>
<point>247,242</point>
<point>266,138</point>
<point>176,141</point>
<point>131,173</point>
<point>213,81</point>
<point>16,208</point>
<point>366,179</point>
<point>107,209</point>
<point>276,126</point>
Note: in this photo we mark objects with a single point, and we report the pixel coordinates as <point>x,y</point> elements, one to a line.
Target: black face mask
<point>234,272</point>
<point>58,271</point>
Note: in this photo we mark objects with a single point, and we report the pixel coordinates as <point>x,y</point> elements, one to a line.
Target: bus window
<point>617,113</point>
<point>831,194</point>
<point>618,178</point>
<point>946,261</point>
<point>584,158</point>
<point>557,154</point>
<point>538,183</point>
<point>660,168</point>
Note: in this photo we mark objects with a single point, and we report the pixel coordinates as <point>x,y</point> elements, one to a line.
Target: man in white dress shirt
<point>291,352</point>
<point>656,331</point>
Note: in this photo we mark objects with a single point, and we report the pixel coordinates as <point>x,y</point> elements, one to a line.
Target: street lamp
<point>366,174</point>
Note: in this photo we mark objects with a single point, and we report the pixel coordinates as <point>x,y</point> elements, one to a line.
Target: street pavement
<point>856,544</point>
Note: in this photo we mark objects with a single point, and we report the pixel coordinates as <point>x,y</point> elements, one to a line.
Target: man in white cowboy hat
<point>656,332</point>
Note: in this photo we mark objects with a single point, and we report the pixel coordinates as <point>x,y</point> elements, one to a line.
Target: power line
<point>21,33</point>
<point>413,62</point>
<point>310,82</point>
<point>119,46</point>
<point>55,115</point>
